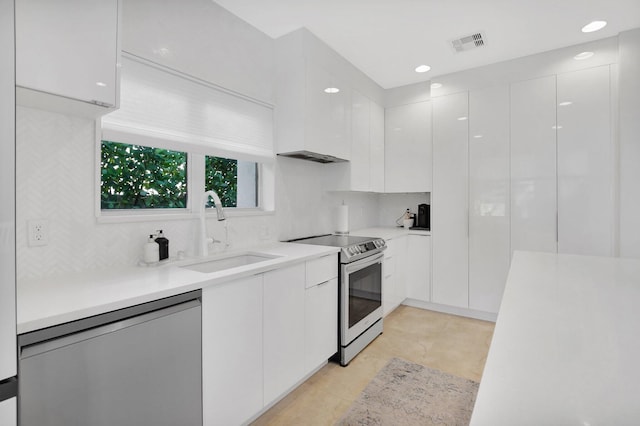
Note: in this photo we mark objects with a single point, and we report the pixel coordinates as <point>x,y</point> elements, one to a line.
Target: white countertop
<point>57,299</point>
<point>566,346</point>
<point>387,232</point>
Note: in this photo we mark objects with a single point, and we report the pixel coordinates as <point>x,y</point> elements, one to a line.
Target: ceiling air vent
<point>469,42</point>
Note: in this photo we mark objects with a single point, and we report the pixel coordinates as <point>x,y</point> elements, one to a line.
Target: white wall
<point>55,181</point>
<point>392,206</point>
<point>629,136</point>
<point>528,67</point>
<point>60,149</point>
<point>56,153</point>
<point>305,206</point>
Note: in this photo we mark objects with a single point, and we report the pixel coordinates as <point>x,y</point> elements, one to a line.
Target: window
<point>178,137</point>
<point>235,181</point>
<point>136,177</point>
<point>142,177</point>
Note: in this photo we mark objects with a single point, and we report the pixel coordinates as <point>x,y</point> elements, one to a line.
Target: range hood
<point>313,156</point>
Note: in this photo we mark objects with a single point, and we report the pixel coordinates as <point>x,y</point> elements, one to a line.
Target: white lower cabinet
<point>9,412</point>
<point>232,369</point>
<point>284,328</point>
<point>419,267</point>
<point>263,334</point>
<point>321,323</point>
<point>394,269</point>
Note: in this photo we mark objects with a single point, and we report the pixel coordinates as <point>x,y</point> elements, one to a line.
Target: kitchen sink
<point>229,261</point>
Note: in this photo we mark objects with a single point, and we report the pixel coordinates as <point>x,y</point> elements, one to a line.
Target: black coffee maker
<point>424,217</point>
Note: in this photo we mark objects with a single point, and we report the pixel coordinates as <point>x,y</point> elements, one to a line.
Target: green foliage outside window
<point>221,176</point>
<point>141,177</point>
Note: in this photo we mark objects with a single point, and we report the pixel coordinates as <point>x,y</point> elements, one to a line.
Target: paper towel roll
<point>342,220</point>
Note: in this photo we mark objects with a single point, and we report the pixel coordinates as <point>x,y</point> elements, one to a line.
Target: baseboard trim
<point>463,312</point>
<point>284,394</point>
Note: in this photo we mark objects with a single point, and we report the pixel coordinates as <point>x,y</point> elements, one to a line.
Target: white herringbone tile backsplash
<point>55,181</point>
<point>56,169</point>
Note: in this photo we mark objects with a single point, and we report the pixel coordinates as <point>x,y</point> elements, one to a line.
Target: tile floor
<point>449,343</point>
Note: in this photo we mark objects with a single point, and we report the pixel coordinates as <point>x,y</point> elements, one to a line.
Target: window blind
<point>159,106</point>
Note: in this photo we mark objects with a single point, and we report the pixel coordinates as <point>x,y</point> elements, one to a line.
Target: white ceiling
<point>387,39</point>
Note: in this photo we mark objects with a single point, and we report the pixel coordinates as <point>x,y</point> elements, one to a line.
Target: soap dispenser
<point>151,251</point>
<point>163,245</point>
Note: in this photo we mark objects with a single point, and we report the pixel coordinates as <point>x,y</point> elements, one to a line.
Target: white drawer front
<point>321,270</point>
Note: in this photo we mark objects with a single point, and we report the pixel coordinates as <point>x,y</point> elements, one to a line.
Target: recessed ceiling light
<point>423,68</point>
<point>331,90</point>
<point>477,136</point>
<point>594,26</point>
<point>583,55</point>
<point>436,85</point>
<point>101,84</point>
<point>556,127</point>
<point>565,103</point>
<point>462,118</point>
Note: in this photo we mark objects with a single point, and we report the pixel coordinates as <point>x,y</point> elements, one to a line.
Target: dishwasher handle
<point>63,337</point>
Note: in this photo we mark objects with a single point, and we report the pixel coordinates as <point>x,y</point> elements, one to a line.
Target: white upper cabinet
<point>408,148</point>
<point>449,213</point>
<point>376,166</point>
<point>69,49</point>
<point>489,207</point>
<point>360,142</point>
<point>326,107</point>
<point>585,163</point>
<point>533,165</point>
<point>365,170</point>
<point>313,103</point>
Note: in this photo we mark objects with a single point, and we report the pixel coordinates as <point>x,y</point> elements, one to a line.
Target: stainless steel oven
<point>360,305</point>
<point>360,290</point>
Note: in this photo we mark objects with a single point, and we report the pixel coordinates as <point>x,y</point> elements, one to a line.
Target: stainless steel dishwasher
<point>140,365</point>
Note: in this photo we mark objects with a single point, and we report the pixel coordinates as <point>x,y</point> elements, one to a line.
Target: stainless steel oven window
<point>361,295</point>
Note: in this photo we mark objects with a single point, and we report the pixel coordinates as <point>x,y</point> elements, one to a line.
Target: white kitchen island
<point>566,346</point>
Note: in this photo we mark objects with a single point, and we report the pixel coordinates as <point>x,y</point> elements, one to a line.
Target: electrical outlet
<point>38,230</point>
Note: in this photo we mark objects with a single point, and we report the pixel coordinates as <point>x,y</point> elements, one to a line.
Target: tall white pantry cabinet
<point>521,166</point>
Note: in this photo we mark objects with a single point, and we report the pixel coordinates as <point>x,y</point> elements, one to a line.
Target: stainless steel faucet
<point>205,240</point>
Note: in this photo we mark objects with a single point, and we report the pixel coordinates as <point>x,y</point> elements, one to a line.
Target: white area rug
<point>404,393</point>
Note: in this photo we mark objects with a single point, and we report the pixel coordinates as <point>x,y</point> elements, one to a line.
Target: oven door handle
<point>363,263</point>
